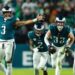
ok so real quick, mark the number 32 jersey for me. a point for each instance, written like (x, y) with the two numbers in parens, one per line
(38, 41)
(7, 28)
(59, 38)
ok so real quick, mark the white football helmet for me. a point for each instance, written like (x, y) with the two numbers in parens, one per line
(60, 22)
(39, 29)
(7, 12)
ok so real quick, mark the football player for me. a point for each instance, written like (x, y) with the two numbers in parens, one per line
(61, 40)
(39, 48)
(8, 23)
(74, 53)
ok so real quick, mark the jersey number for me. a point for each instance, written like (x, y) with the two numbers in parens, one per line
(59, 41)
(3, 30)
(40, 44)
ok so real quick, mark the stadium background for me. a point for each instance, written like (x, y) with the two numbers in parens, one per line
(28, 9)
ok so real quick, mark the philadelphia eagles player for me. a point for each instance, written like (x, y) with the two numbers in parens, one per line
(39, 48)
(74, 53)
(61, 40)
(8, 23)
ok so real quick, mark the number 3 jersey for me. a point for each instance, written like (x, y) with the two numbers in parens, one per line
(59, 38)
(38, 41)
(7, 28)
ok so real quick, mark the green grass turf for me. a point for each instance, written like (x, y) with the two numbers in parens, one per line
(24, 71)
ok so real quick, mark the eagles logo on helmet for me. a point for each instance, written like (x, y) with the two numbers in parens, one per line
(39, 28)
(60, 21)
(7, 12)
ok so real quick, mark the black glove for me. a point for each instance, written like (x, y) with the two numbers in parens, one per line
(68, 51)
(51, 49)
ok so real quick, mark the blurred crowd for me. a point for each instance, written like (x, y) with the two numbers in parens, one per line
(28, 9)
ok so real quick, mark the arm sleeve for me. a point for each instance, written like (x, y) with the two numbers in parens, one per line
(69, 30)
(30, 35)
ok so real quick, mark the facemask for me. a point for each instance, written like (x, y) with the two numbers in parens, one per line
(59, 28)
(38, 35)
(8, 17)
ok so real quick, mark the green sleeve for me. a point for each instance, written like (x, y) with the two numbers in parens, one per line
(68, 30)
(30, 35)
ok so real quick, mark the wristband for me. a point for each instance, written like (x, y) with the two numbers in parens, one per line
(34, 20)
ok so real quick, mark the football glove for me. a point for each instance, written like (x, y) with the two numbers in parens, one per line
(51, 49)
(67, 51)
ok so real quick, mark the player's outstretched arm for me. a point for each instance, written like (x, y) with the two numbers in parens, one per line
(38, 18)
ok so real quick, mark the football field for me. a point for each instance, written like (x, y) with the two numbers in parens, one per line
(22, 71)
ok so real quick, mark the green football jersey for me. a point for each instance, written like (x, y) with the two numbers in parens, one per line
(59, 38)
(38, 41)
(7, 28)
